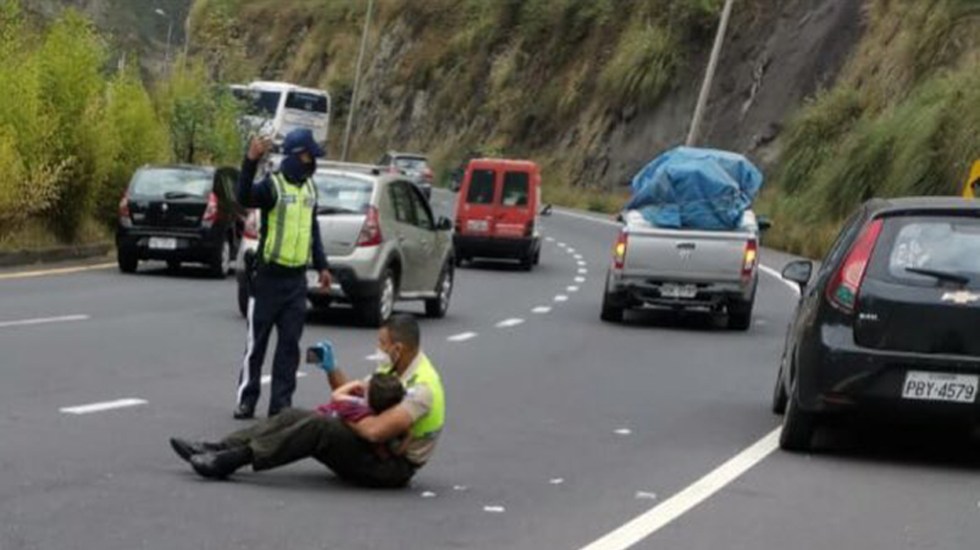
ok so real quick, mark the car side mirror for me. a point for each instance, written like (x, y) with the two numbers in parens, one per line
(444, 224)
(620, 218)
(765, 224)
(799, 272)
(546, 211)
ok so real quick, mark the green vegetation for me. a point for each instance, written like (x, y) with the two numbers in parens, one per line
(72, 132)
(903, 120)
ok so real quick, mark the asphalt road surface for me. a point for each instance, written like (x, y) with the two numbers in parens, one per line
(562, 432)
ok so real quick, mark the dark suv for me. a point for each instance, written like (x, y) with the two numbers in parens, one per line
(180, 214)
(890, 322)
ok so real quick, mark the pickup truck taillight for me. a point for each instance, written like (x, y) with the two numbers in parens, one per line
(619, 251)
(371, 232)
(210, 211)
(124, 218)
(750, 259)
(845, 286)
(251, 230)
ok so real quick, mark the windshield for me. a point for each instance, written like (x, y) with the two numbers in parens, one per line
(309, 102)
(171, 183)
(338, 194)
(948, 246)
(259, 103)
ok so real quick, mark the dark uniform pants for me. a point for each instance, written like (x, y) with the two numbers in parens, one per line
(277, 301)
(295, 434)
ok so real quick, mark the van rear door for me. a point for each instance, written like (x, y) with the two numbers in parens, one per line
(514, 213)
(479, 203)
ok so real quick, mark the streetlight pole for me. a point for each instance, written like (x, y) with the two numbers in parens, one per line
(357, 81)
(170, 31)
(709, 76)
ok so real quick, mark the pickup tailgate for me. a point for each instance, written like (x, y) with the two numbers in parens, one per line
(685, 255)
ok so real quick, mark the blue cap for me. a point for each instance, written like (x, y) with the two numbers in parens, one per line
(299, 141)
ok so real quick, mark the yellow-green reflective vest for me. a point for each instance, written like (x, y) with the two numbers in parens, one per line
(288, 241)
(425, 374)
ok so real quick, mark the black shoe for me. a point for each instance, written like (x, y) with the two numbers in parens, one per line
(221, 464)
(186, 449)
(244, 412)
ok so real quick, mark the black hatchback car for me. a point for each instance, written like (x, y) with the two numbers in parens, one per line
(890, 324)
(180, 214)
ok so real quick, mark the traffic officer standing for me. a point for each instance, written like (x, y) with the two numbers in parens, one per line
(348, 448)
(290, 238)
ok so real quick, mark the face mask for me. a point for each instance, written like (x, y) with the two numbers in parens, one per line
(385, 361)
(296, 170)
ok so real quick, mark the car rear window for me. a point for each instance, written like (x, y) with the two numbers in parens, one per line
(309, 102)
(171, 183)
(481, 187)
(410, 163)
(516, 189)
(948, 245)
(342, 195)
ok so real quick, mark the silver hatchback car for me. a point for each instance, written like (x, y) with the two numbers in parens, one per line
(382, 241)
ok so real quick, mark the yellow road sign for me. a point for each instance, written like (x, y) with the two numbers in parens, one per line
(972, 188)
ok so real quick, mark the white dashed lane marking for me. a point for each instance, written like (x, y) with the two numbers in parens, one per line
(561, 298)
(510, 323)
(580, 279)
(541, 310)
(44, 321)
(103, 406)
(583, 271)
(267, 378)
(572, 288)
(462, 337)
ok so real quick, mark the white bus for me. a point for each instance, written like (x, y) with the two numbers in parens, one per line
(276, 108)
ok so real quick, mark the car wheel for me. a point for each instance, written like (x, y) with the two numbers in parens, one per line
(798, 428)
(779, 396)
(128, 262)
(740, 315)
(379, 309)
(220, 263)
(439, 306)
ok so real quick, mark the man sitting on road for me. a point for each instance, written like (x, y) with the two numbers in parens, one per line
(347, 448)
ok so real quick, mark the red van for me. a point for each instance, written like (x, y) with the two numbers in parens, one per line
(497, 211)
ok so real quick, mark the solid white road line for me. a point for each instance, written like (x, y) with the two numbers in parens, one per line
(779, 276)
(657, 517)
(561, 298)
(103, 406)
(541, 310)
(462, 337)
(44, 321)
(510, 323)
(60, 271)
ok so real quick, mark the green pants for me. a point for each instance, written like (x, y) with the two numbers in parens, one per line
(295, 434)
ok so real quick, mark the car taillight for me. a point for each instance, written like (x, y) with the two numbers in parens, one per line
(124, 215)
(211, 211)
(750, 259)
(845, 286)
(371, 232)
(619, 251)
(252, 225)
(529, 228)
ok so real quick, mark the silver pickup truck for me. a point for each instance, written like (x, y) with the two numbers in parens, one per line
(684, 269)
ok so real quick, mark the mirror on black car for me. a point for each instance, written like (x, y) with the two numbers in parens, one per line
(444, 224)
(765, 224)
(799, 272)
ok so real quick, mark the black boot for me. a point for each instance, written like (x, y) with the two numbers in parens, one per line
(186, 449)
(244, 412)
(221, 464)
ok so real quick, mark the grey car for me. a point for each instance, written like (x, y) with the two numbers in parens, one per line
(414, 166)
(382, 241)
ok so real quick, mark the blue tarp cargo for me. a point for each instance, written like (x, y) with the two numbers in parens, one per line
(692, 188)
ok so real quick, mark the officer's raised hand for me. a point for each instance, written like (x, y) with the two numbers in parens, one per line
(258, 147)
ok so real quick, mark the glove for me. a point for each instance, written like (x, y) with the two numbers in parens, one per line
(325, 353)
